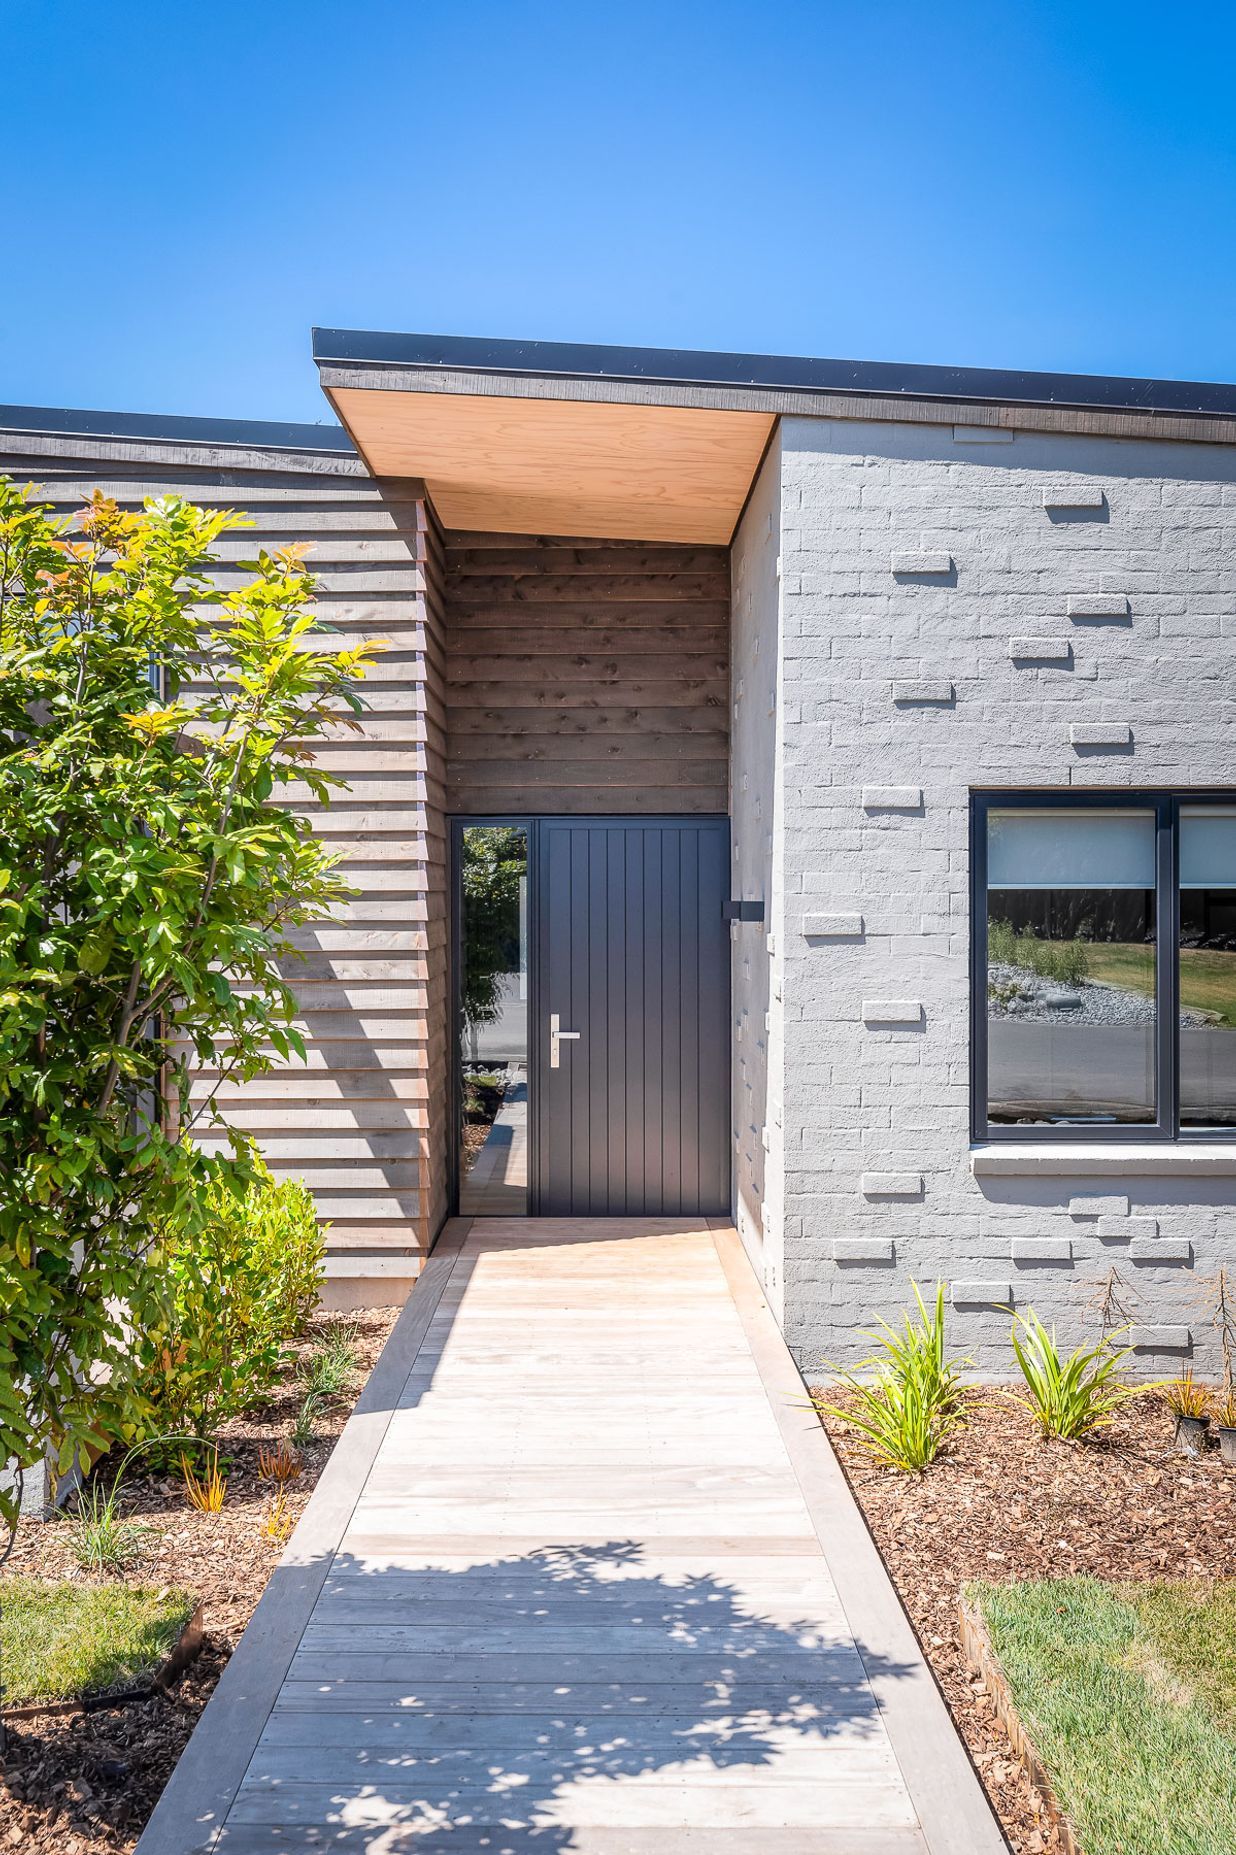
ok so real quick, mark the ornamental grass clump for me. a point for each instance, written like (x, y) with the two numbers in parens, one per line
(905, 1416)
(101, 1539)
(206, 1491)
(332, 1364)
(1185, 1397)
(1069, 1398)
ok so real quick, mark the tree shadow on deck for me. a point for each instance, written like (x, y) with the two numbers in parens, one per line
(573, 1697)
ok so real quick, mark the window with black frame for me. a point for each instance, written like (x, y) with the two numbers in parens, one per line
(1105, 965)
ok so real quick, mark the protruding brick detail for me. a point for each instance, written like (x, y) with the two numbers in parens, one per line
(1108, 1205)
(1164, 1250)
(1041, 1249)
(982, 1294)
(1160, 1339)
(922, 689)
(892, 1011)
(1098, 605)
(1041, 650)
(862, 1249)
(921, 561)
(1074, 496)
(833, 927)
(1124, 1229)
(892, 798)
(892, 1185)
(1101, 734)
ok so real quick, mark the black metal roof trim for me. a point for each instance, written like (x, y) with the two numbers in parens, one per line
(790, 373)
(252, 434)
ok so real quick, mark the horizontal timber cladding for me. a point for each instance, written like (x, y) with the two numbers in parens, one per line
(585, 676)
(359, 1121)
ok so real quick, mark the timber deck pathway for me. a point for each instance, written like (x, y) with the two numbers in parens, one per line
(582, 1576)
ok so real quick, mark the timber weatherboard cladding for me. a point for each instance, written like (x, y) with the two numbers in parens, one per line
(360, 1122)
(585, 676)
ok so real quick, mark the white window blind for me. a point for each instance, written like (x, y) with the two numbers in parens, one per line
(1208, 847)
(1072, 849)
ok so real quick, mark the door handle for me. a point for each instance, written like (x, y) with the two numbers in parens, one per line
(556, 1039)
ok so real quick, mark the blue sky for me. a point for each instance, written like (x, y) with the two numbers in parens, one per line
(1017, 183)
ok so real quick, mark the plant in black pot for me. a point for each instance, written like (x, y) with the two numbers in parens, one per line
(1187, 1401)
(1225, 1419)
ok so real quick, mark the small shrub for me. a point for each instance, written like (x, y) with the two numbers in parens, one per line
(237, 1292)
(1064, 961)
(1185, 1397)
(907, 1414)
(207, 1491)
(99, 1538)
(332, 1363)
(1001, 943)
(1069, 1398)
(1225, 1411)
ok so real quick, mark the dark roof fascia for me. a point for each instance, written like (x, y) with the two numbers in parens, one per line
(157, 428)
(770, 372)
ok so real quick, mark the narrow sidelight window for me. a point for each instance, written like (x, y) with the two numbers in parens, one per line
(1104, 965)
(492, 878)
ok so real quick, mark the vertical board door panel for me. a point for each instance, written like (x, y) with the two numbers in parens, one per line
(633, 953)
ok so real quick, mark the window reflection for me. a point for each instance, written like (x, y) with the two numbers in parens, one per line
(493, 1021)
(1071, 966)
(1207, 957)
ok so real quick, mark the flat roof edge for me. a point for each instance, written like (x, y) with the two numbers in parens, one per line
(159, 428)
(380, 349)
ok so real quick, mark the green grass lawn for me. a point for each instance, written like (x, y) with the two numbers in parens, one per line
(1207, 980)
(60, 1639)
(1128, 1693)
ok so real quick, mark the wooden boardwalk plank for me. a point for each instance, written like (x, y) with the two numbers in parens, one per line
(634, 1628)
(579, 1604)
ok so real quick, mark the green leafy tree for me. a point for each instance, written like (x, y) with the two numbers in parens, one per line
(495, 861)
(148, 721)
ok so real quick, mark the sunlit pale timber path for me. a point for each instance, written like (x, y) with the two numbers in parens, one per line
(595, 1584)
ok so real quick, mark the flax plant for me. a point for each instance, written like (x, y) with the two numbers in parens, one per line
(906, 1414)
(1069, 1398)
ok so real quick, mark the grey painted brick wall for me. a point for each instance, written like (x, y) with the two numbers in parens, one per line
(755, 800)
(1128, 549)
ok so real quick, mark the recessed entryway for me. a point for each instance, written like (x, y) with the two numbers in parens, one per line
(592, 1016)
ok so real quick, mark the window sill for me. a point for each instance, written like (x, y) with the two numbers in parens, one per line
(1104, 1160)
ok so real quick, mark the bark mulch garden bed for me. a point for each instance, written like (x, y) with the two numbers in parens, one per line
(85, 1784)
(1003, 1504)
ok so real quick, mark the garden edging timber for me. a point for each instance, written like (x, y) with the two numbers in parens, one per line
(982, 1657)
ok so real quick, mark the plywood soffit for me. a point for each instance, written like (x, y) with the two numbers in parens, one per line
(566, 467)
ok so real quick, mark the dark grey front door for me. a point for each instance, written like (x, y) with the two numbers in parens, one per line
(631, 1108)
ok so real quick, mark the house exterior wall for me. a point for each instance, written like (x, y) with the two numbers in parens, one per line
(585, 676)
(756, 822)
(898, 696)
(361, 1122)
